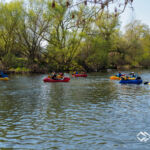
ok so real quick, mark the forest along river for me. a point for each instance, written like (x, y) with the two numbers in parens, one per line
(86, 113)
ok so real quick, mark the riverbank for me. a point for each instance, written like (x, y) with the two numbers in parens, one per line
(24, 70)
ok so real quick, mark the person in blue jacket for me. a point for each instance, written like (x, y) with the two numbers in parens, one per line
(119, 74)
(132, 74)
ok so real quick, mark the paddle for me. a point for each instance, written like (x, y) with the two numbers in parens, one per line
(146, 82)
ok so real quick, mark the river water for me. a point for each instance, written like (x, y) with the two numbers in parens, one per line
(86, 113)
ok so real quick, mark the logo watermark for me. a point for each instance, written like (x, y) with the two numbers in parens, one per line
(143, 136)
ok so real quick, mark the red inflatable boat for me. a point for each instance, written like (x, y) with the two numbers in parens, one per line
(66, 79)
(79, 75)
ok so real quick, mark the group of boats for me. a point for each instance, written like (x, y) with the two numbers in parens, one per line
(127, 79)
(63, 79)
(4, 77)
(123, 78)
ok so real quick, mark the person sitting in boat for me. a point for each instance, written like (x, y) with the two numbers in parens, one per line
(2, 75)
(132, 74)
(119, 74)
(124, 77)
(49, 76)
(75, 72)
(54, 76)
(60, 76)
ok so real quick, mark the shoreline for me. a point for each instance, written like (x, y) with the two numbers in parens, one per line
(102, 70)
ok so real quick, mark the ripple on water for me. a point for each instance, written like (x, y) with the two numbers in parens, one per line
(86, 113)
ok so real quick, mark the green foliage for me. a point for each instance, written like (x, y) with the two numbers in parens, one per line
(9, 60)
(35, 35)
(19, 70)
(21, 62)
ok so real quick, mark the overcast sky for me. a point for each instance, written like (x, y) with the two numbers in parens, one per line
(141, 12)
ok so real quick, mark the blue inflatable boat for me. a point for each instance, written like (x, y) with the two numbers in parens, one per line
(139, 81)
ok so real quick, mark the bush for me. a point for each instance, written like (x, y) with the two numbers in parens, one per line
(9, 60)
(20, 70)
